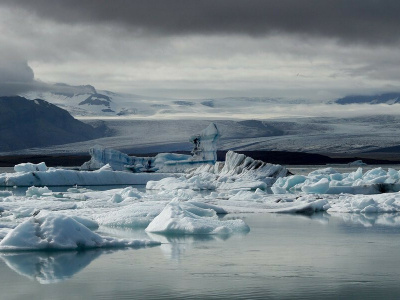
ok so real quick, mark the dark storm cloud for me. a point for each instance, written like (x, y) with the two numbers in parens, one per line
(368, 21)
(15, 76)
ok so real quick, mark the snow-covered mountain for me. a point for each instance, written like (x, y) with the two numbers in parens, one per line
(387, 98)
(86, 101)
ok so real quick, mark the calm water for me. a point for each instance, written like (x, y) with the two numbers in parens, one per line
(283, 256)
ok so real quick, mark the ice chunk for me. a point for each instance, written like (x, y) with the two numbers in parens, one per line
(319, 187)
(186, 218)
(381, 203)
(29, 167)
(259, 201)
(89, 223)
(61, 177)
(116, 160)
(37, 191)
(204, 151)
(58, 232)
(5, 194)
(238, 172)
(205, 144)
(330, 182)
(357, 163)
(287, 184)
(126, 193)
(136, 215)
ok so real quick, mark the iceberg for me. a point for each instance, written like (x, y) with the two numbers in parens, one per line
(237, 172)
(329, 181)
(186, 218)
(205, 144)
(204, 152)
(117, 160)
(63, 177)
(357, 163)
(58, 232)
(136, 215)
(30, 167)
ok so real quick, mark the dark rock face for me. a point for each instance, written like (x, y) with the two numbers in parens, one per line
(36, 123)
(97, 99)
(388, 98)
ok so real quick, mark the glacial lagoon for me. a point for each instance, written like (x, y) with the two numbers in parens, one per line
(283, 256)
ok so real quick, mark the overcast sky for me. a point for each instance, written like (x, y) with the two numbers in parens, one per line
(319, 49)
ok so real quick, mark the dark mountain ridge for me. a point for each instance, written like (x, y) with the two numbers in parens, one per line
(36, 123)
(387, 98)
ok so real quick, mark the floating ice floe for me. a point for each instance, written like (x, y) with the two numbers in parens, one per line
(188, 218)
(329, 181)
(37, 191)
(381, 203)
(357, 163)
(29, 167)
(58, 232)
(136, 215)
(260, 201)
(237, 172)
(62, 177)
(204, 152)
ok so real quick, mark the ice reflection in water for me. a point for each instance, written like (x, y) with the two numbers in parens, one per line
(175, 246)
(46, 267)
(370, 220)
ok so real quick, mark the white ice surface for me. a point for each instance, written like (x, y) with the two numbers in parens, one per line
(58, 232)
(62, 177)
(329, 181)
(25, 219)
(237, 172)
(187, 218)
(29, 167)
(204, 151)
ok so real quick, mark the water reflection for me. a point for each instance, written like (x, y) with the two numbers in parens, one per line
(320, 217)
(47, 268)
(370, 220)
(175, 246)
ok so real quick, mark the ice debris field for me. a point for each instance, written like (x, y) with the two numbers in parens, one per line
(184, 195)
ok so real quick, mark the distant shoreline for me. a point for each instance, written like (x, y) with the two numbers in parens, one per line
(274, 157)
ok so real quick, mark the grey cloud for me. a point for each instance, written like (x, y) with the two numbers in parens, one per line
(15, 76)
(366, 21)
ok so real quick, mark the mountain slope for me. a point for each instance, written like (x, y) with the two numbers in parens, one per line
(388, 98)
(36, 123)
(86, 102)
